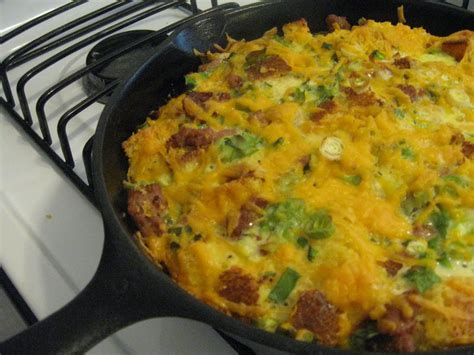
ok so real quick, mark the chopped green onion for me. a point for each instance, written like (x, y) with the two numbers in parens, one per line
(284, 286)
(324, 93)
(326, 45)
(377, 55)
(268, 324)
(331, 148)
(352, 179)
(440, 220)
(416, 248)
(399, 112)
(444, 261)
(414, 203)
(174, 246)
(282, 40)
(302, 242)
(319, 225)
(175, 230)
(299, 95)
(129, 186)
(422, 277)
(282, 219)
(358, 339)
(190, 82)
(407, 153)
(433, 95)
(239, 146)
(243, 108)
(436, 243)
(304, 335)
(458, 180)
(312, 253)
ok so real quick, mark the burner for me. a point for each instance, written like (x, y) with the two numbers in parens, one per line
(120, 67)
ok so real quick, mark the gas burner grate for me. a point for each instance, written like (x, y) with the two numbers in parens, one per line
(85, 30)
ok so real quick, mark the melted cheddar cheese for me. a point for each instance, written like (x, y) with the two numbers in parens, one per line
(310, 176)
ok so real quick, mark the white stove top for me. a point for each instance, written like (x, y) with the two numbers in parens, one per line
(51, 236)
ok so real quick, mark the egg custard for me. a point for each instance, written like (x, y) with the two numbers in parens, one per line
(320, 185)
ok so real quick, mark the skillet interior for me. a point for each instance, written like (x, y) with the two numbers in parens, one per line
(163, 76)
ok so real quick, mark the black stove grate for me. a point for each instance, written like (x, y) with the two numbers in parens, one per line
(117, 16)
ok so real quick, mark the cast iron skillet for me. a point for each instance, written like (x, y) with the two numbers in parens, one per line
(127, 286)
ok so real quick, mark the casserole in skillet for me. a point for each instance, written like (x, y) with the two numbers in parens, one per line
(320, 185)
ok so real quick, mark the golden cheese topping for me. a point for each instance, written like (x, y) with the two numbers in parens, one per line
(320, 185)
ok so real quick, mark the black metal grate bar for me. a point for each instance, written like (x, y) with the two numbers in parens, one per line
(194, 7)
(465, 3)
(40, 107)
(80, 184)
(39, 19)
(57, 57)
(68, 163)
(71, 113)
(26, 53)
(87, 159)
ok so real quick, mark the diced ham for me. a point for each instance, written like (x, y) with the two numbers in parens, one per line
(234, 81)
(191, 138)
(402, 63)
(400, 328)
(259, 116)
(411, 91)
(326, 107)
(455, 48)
(248, 214)
(468, 149)
(315, 313)
(261, 65)
(199, 97)
(238, 287)
(424, 231)
(196, 138)
(146, 206)
(223, 96)
(360, 99)
(334, 22)
(457, 138)
(392, 267)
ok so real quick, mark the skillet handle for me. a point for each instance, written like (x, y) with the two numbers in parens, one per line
(118, 295)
